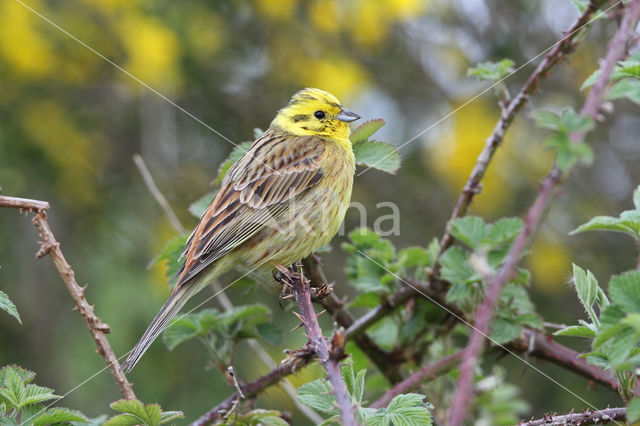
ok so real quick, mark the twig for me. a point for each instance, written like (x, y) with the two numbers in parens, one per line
(151, 185)
(382, 359)
(295, 360)
(329, 355)
(484, 312)
(585, 418)
(427, 372)
(222, 297)
(49, 245)
(507, 114)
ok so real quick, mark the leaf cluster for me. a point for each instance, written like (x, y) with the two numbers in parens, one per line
(21, 402)
(403, 410)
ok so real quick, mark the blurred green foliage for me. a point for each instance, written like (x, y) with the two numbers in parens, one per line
(70, 123)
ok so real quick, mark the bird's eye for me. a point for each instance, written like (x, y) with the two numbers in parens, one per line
(319, 114)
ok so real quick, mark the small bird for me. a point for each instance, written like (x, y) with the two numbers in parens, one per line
(283, 199)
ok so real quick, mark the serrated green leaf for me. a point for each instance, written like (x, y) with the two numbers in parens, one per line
(366, 130)
(59, 415)
(632, 320)
(168, 416)
(8, 421)
(469, 229)
(621, 346)
(412, 257)
(198, 207)
(587, 288)
(179, 331)
(633, 410)
(626, 88)
(130, 406)
(25, 375)
(504, 330)
(504, 230)
(491, 71)
(170, 254)
(576, 331)
(154, 414)
(237, 152)
(123, 420)
(404, 409)
(602, 223)
(404, 401)
(7, 305)
(35, 394)
(14, 390)
(547, 119)
(317, 395)
(455, 267)
(624, 290)
(256, 417)
(358, 389)
(378, 155)
(270, 332)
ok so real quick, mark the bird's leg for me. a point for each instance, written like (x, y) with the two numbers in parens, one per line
(282, 275)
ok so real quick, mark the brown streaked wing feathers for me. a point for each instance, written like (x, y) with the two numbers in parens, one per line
(254, 191)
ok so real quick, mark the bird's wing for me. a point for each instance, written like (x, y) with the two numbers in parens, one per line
(260, 186)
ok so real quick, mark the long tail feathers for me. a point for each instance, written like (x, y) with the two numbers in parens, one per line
(159, 323)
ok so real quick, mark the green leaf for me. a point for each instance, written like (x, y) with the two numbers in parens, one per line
(455, 267)
(256, 417)
(636, 198)
(378, 155)
(198, 207)
(413, 257)
(366, 130)
(610, 324)
(624, 290)
(7, 305)
(59, 415)
(576, 331)
(35, 394)
(504, 330)
(179, 331)
(403, 410)
(365, 300)
(384, 332)
(14, 390)
(581, 5)
(149, 414)
(8, 421)
(505, 230)
(317, 395)
(547, 119)
(632, 320)
(170, 254)
(234, 156)
(469, 229)
(626, 88)
(603, 223)
(123, 420)
(621, 346)
(25, 376)
(633, 410)
(491, 71)
(270, 332)
(587, 288)
(168, 416)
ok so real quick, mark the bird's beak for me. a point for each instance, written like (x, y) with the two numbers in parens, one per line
(347, 116)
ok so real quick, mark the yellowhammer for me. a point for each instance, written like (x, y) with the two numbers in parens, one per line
(284, 198)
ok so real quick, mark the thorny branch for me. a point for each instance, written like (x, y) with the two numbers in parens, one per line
(328, 354)
(49, 245)
(565, 46)
(585, 418)
(495, 284)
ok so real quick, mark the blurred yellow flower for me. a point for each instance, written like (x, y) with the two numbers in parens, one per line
(324, 15)
(277, 9)
(23, 47)
(77, 158)
(456, 152)
(152, 50)
(550, 263)
(337, 75)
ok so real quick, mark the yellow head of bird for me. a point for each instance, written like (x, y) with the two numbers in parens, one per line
(315, 112)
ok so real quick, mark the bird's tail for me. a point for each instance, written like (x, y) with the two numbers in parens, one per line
(159, 323)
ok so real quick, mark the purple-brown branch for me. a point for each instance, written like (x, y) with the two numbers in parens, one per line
(495, 284)
(329, 355)
(49, 245)
(585, 418)
(508, 113)
(295, 360)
